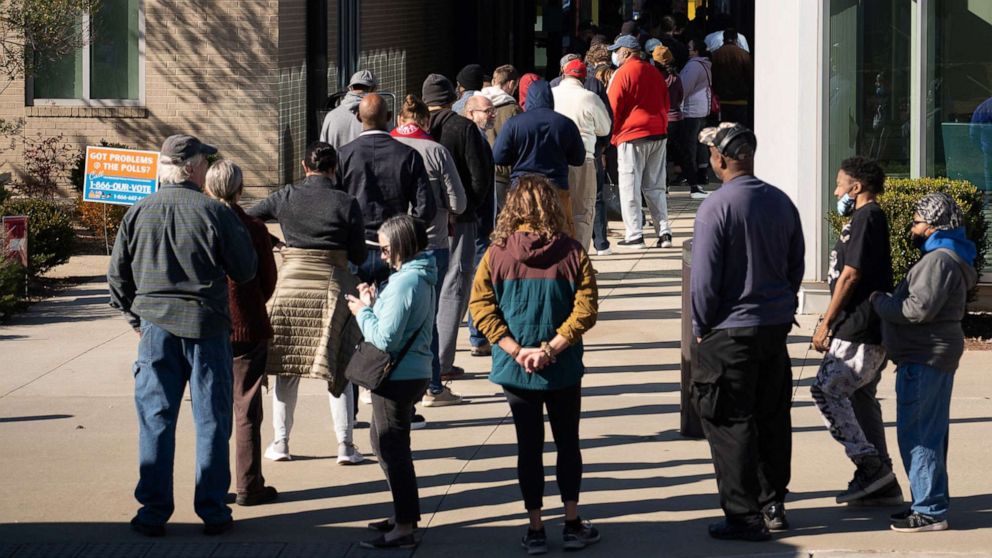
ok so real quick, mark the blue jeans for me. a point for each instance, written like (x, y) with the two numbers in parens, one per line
(475, 337)
(165, 364)
(441, 258)
(923, 409)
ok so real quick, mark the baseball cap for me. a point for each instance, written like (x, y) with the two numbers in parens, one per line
(365, 78)
(625, 41)
(567, 58)
(576, 69)
(651, 44)
(180, 147)
(729, 138)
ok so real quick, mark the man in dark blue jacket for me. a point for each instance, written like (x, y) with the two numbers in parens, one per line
(386, 177)
(541, 141)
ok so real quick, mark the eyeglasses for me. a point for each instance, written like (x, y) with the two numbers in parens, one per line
(490, 112)
(920, 223)
(385, 250)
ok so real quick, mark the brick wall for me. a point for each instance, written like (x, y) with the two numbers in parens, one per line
(292, 48)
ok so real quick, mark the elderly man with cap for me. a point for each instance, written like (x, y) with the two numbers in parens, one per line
(470, 80)
(639, 98)
(747, 266)
(462, 139)
(168, 276)
(341, 125)
(921, 333)
(590, 115)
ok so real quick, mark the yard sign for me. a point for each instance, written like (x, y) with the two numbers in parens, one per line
(119, 176)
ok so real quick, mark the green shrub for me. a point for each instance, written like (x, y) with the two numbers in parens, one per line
(899, 203)
(77, 174)
(12, 281)
(50, 234)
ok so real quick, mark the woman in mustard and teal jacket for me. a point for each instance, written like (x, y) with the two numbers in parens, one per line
(534, 296)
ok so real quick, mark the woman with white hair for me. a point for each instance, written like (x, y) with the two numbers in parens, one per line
(250, 334)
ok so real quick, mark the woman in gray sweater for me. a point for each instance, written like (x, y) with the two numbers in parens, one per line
(921, 332)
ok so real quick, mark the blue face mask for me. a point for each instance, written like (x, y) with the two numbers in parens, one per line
(615, 59)
(845, 205)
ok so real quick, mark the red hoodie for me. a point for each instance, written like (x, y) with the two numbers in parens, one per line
(639, 99)
(410, 131)
(525, 82)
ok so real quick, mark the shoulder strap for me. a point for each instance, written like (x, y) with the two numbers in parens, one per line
(409, 343)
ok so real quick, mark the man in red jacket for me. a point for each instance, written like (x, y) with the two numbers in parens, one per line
(639, 99)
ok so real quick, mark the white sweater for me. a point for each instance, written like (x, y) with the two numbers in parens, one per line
(585, 108)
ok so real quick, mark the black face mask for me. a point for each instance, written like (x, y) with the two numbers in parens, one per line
(918, 241)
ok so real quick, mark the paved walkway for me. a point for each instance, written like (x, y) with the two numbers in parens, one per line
(68, 431)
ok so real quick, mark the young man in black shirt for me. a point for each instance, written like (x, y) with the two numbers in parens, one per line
(850, 335)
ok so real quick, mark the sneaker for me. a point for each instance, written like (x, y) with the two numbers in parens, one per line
(482, 350)
(919, 523)
(871, 475)
(418, 422)
(213, 529)
(578, 534)
(774, 516)
(899, 516)
(444, 398)
(699, 194)
(349, 455)
(454, 373)
(665, 241)
(632, 243)
(535, 542)
(386, 525)
(278, 451)
(739, 531)
(888, 496)
(264, 496)
(365, 396)
(147, 529)
(607, 252)
(406, 541)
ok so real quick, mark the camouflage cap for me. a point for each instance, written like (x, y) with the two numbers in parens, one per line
(729, 138)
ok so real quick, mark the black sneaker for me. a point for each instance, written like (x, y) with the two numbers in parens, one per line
(264, 496)
(899, 516)
(535, 542)
(888, 496)
(578, 534)
(147, 529)
(665, 241)
(739, 531)
(774, 516)
(632, 243)
(218, 528)
(418, 422)
(919, 523)
(871, 476)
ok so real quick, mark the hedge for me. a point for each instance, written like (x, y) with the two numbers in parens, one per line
(899, 203)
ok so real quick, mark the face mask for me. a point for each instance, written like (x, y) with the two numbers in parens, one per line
(845, 205)
(919, 242)
(616, 59)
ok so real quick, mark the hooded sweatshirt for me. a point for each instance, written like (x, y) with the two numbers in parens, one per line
(921, 319)
(540, 140)
(341, 125)
(506, 107)
(526, 81)
(534, 288)
(449, 194)
(404, 308)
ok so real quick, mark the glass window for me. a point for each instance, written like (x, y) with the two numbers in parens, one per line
(112, 53)
(959, 93)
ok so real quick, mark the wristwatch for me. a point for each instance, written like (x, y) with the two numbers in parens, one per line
(548, 351)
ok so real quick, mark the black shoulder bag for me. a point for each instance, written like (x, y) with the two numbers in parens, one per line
(370, 366)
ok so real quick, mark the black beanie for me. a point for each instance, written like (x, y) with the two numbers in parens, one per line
(437, 91)
(471, 77)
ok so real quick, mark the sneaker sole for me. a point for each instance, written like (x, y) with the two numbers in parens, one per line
(534, 551)
(442, 403)
(272, 456)
(939, 526)
(350, 460)
(873, 487)
(579, 545)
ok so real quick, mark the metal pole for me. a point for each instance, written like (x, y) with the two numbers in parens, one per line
(106, 234)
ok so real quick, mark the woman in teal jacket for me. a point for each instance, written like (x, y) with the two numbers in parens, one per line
(404, 308)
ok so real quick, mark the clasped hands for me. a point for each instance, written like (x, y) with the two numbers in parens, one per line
(532, 359)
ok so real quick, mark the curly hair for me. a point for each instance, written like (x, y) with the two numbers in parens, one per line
(604, 73)
(866, 171)
(597, 54)
(533, 203)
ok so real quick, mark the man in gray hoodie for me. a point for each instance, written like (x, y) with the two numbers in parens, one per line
(921, 332)
(342, 125)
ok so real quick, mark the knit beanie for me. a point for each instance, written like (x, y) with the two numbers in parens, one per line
(471, 77)
(437, 91)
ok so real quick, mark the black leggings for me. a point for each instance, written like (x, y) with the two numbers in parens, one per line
(564, 407)
(392, 409)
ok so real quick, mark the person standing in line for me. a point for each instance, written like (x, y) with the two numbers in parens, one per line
(386, 177)
(598, 62)
(324, 231)
(250, 335)
(469, 82)
(665, 63)
(850, 334)
(402, 311)
(697, 82)
(505, 80)
(639, 98)
(921, 332)
(584, 108)
(744, 286)
(461, 138)
(680, 52)
(536, 334)
(184, 329)
(341, 125)
(450, 199)
(733, 77)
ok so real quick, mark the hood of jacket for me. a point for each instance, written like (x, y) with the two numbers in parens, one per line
(539, 96)
(499, 97)
(534, 250)
(350, 101)
(955, 241)
(423, 266)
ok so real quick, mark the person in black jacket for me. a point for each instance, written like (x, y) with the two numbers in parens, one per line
(474, 162)
(386, 177)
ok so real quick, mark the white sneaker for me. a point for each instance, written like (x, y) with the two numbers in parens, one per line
(699, 194)
(349, 455)
(365, 396)
(278, 451)
(607, 252)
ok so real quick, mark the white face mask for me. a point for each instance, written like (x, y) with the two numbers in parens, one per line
(615, 58)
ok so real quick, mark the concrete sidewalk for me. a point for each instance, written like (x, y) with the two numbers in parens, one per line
(68, 433)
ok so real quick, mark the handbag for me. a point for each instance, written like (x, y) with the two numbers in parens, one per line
(370, 366)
